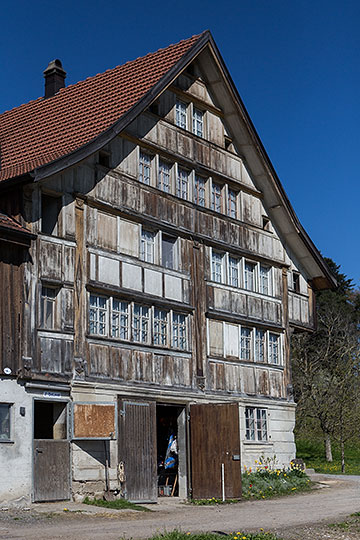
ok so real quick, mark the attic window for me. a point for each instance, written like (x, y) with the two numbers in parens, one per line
(50, 210)
(104, 159)
(266, 223)
(228, 143)
(154, 108)
(190, 70)
(296, 282)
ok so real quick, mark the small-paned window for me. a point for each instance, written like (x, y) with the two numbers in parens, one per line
(245, 343)
(259, 345)
(48, 307)
(50, 210)
(160, 327)
(147, 246)
(179, 331)
(98, 315)
(181, 115)
(265, 279)
(199, 190)
(198, 122)
(217, 267)
(164, 176)
(216, 197)
(256, 424)
(145, 168)
(168, 251)
(5, 426)
(182, 183)
(296, 282)
(141, 324)
(274, 348)
(234, 271)
(232, 203)
(120, 319)
(249, 276)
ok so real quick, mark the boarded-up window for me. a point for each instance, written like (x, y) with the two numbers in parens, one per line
(129, 238)
(107, 231)
(216, 338)
(231, 340)
(94, 421)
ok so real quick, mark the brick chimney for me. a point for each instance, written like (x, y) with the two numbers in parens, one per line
(54, 78)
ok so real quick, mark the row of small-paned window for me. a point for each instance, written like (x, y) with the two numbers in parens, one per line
(259, 345)
(137, 323)
(189, 117)
(256, 424)
(239, 272)
(187, 184)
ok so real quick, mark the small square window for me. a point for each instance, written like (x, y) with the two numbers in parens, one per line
(5, 424)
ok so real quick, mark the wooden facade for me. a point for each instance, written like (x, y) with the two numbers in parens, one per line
(164, 281)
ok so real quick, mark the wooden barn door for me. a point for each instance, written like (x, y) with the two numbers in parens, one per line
(215, 440)
(137, 449)
(51, 470)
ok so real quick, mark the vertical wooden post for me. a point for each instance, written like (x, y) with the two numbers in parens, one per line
(79, 290)
(199, 302)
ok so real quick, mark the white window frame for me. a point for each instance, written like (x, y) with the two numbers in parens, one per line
(245, 338)
(181, 109)
(175, 251)
(6, 435)
(143, 166)
(254, 275)
(123, 316)
(236, 267)
(261, 279)
(218, 261)
(164, 177)
(98, 311)
(160, 327)
(216, 197)
(148, 245)
(256, 425)
(274, 352)
(48, 301)
(199, 189)
(232, 212)
(260, 345)
(182, 182)
(179, 331)
(198, 122)
(144, 318)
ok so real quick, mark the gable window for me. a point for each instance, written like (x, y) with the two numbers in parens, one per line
(274, 348)
(50, 210)
(255, 424)
(216, 197)
(265, 279)
(160, 327)
(48, 307)
(147, 246)
(182, 183)
(245, 343)
(120, 319)
(232, 203)
(141, 322)
(144, 168)
(181, 115)
(234, 271)
(199, 190)
(296, 282)
(164, 176)
(179, 337)
(249, 276)
(217, 266)
(259, 345)
(98, 315)
(198, 122)
(5, 410)
(168, 251)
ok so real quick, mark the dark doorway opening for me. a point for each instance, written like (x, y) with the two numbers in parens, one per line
(49, 420)
(171, 450)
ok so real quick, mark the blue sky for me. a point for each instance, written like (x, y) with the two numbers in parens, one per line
(294, 62)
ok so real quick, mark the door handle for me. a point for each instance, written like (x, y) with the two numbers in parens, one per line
(39, 450)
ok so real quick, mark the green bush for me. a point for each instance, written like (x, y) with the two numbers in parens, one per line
(178, 535)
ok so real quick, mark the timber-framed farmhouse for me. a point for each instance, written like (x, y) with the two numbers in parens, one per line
(152, 270)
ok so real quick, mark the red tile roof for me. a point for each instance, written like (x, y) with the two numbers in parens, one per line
(44, 130)
(6, 222)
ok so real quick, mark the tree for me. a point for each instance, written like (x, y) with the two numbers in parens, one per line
(326, 365)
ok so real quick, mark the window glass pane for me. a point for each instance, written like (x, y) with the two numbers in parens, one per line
(120, 319)
(4, 421)
(274, 353)
(245, 343)
(249, 424)
(141, 320)
(179, 338)
(216, 197)
(265, 275)
(97, 315)
(180, 115)
(47, 307)
(249, 276)
(147, 246)
(199, 190)
(259, 345)
(168, 251)
(234, 272)
(198, 122)
(144, 168)
(164, 176)
(160, 327)
(232, 203)
(217, 267)
(182, 183)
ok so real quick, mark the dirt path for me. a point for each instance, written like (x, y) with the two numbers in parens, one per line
(284, 515)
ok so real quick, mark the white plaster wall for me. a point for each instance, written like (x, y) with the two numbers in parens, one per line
(281, 422)
(16, 456)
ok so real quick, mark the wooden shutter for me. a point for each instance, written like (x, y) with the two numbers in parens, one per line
(137, 449)
(215, 439)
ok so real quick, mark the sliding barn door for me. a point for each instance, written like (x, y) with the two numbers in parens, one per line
(215, 442)
(137, 449)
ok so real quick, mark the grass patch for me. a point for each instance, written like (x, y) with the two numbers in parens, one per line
(178, 535)
(312, 452)
(118, 504)
(352, 524)
(212, 502)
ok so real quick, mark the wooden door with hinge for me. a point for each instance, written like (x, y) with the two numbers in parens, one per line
(137, 449)
(51, 470)
(215, 451)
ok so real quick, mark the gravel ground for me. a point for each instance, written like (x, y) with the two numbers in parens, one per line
(298, 517)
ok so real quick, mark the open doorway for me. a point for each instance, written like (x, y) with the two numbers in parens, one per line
(171, 450)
